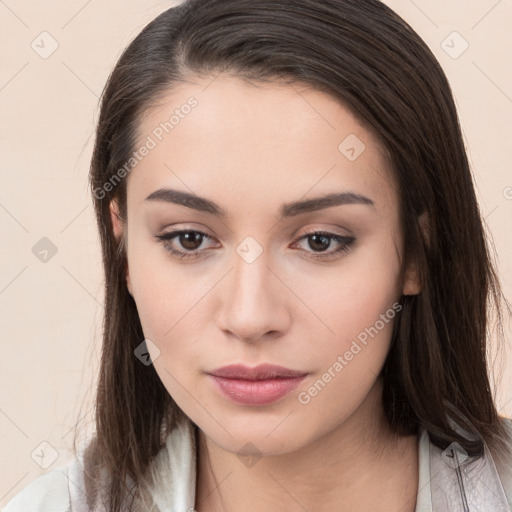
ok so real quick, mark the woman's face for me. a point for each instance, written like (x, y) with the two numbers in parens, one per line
(255, 285)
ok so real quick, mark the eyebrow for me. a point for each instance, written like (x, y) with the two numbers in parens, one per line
(202, 204)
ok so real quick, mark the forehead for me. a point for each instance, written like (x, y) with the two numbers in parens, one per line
(219, 136)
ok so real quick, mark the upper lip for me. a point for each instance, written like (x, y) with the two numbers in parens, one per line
(260, 372)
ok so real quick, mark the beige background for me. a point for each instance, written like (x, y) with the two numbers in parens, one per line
(51, 311)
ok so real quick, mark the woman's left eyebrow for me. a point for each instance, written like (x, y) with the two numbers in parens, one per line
(292, 209)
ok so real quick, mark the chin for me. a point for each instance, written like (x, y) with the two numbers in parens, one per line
(257, 437)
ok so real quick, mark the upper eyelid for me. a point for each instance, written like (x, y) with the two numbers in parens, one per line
(332, 230)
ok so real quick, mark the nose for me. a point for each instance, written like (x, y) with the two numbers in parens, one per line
(254, 301)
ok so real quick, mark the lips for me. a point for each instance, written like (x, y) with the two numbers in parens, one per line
(261, 372)
(258, 386)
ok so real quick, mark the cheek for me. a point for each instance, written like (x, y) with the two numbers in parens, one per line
(170, 304)
(361, 310)
(163, 291)
(169, 310)
(351, 300)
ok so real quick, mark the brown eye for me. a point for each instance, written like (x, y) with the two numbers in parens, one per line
(320, 241)
(188, 242)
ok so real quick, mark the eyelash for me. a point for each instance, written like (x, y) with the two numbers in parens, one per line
(345, 241)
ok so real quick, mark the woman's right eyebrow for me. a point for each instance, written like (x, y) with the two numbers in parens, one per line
(292, 209)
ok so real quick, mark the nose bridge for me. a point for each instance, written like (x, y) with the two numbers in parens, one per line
(250, 304)
(250, 277)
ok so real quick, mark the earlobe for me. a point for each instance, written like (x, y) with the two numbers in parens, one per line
(412, 282)
(129, 282)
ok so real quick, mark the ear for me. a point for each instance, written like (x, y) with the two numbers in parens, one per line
(117, 222)
(118, 227)
(411, 281)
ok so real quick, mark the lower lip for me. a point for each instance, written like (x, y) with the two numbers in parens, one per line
(256, 392)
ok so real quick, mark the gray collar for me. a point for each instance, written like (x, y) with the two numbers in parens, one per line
(449, 480)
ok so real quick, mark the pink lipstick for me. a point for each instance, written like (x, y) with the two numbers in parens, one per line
(260, 385)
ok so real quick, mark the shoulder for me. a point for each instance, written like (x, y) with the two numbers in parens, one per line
(76, 487)
(60, 490)
(47, 493)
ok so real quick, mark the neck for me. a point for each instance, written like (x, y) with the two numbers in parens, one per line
(358, 466)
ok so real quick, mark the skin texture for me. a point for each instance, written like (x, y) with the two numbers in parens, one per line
(250, 148)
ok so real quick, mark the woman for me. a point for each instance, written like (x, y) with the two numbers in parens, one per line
(297, 276)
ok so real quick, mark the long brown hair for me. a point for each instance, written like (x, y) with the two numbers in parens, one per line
(366, 56)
